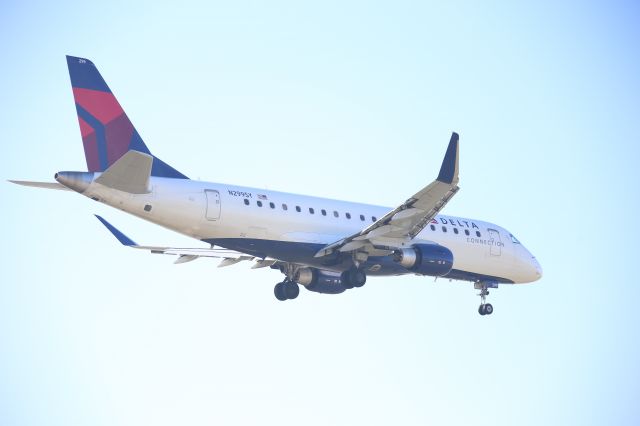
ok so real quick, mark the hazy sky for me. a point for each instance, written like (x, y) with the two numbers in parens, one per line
(349, 100)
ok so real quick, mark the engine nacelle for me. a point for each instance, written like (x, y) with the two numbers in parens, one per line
(425, 259)
(327, 282)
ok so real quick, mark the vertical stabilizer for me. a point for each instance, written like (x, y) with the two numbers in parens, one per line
(107, 133)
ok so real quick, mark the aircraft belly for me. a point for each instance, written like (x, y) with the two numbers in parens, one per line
(304, 253)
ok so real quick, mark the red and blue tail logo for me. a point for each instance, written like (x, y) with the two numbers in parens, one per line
(107, 132)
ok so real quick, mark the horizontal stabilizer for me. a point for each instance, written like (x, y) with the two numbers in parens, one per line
(129, 174)
(46, 185)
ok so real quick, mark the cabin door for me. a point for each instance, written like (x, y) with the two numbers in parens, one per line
(213, 204)
(495, 242)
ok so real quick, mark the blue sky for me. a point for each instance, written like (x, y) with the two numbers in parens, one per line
(349, 100)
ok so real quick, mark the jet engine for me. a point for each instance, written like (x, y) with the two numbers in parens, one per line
(425, 259)
(319, 281)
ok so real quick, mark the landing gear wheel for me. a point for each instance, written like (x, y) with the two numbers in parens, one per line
(278, 291)
(291, 289)
(353, 278)
(485, 309)
(357, 277)
(346, 280)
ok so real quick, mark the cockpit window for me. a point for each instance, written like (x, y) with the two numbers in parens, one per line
(514, 239)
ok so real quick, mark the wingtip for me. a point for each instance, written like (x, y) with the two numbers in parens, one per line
(124, 240)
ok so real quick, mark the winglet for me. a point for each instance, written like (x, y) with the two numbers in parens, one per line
(124, 240)
(449, 170)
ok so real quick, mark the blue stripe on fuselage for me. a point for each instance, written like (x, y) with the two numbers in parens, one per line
(303, 253)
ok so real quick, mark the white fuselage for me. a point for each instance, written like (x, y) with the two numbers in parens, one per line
(232, 216)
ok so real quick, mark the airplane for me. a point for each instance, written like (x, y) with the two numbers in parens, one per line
(324, 245)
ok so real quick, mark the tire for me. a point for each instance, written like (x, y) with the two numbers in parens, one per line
(488, 309)
(346, 280)
(278, 291)
(357, 277)
(481, 310)
(291, 289)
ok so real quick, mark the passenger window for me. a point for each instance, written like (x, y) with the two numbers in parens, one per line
(348, 215)
(362, 217)
(246, 202)
(466, 232)
(298, 209)
(324, 212)
(284, 207)
(478, 234)
(373, 218)
(335, 213)
(273, 206)
(455, 231)
(433, 227)
(444, 229)
(311, 210)
(259, 203)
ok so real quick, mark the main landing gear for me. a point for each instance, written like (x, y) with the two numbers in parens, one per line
(286, 290)
(354, 277)
(484, 308)
(316, 280)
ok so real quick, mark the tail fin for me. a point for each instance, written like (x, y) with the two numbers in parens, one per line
(107, 133)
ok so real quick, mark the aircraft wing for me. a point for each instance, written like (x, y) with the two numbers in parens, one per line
(229, 257)
(407, 220)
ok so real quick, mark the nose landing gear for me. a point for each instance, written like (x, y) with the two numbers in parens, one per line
(485, 308)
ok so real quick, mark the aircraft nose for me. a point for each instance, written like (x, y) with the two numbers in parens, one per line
(537, 268)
